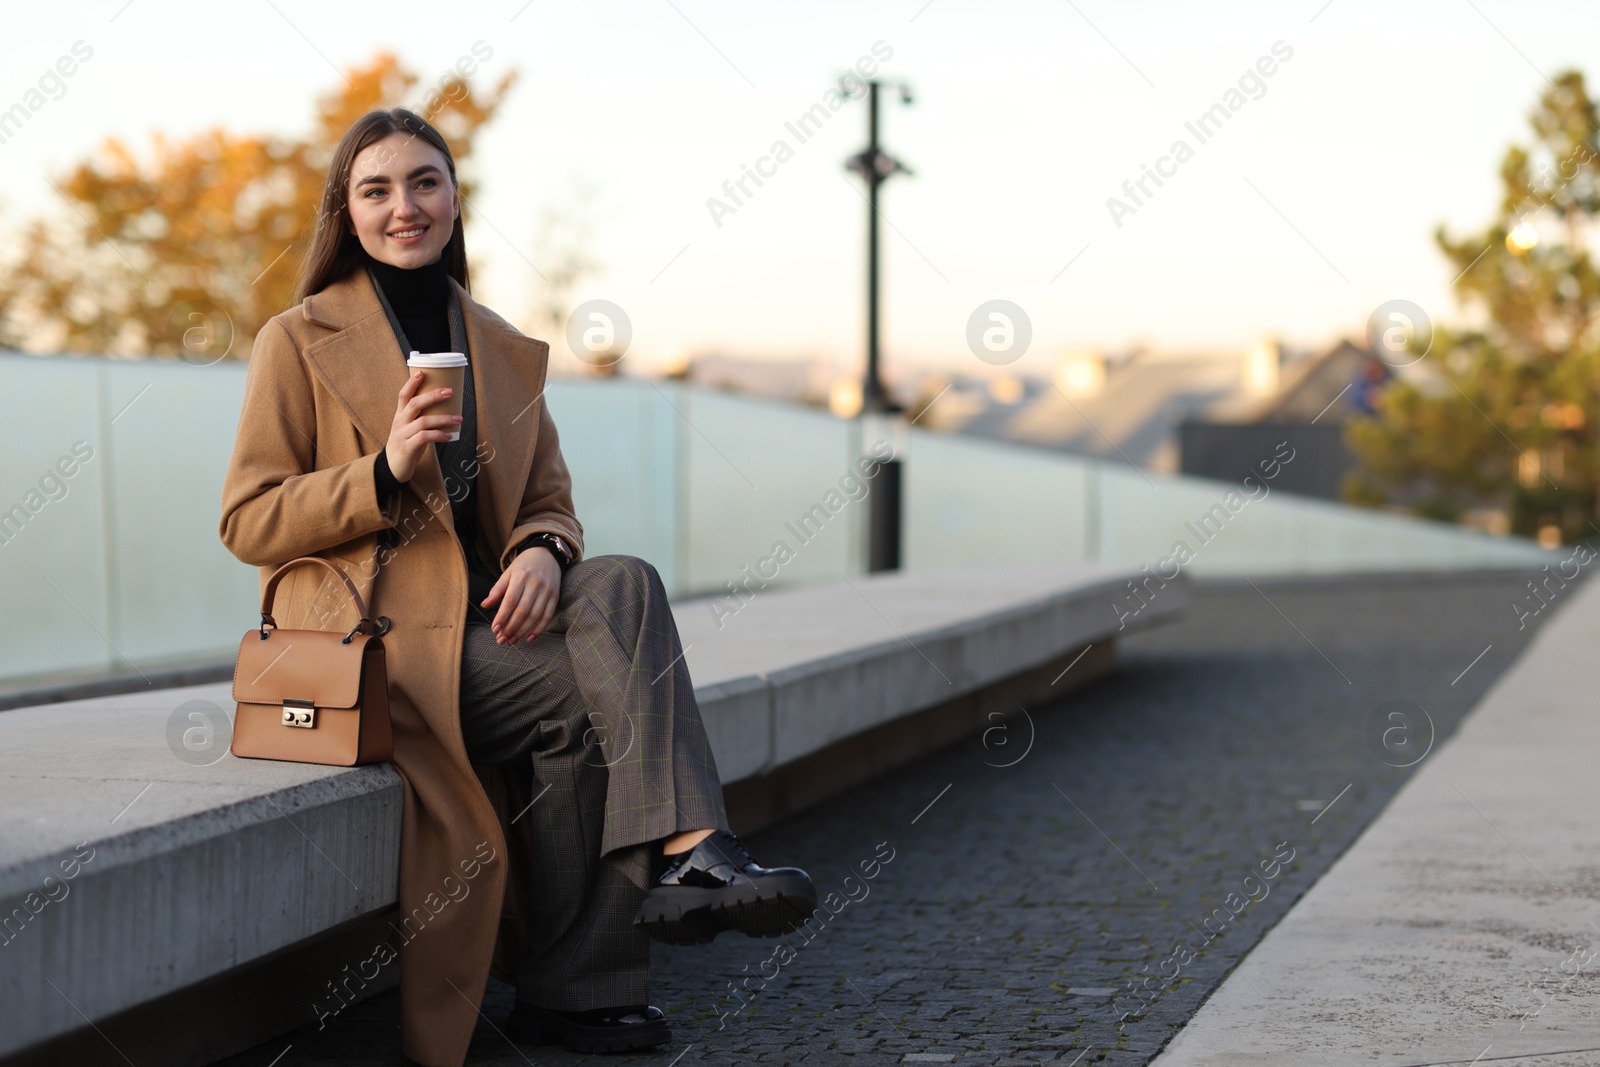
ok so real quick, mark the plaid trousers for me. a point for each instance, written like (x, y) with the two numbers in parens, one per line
(602, 704)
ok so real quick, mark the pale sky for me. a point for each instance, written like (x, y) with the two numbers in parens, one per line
(1315, 202)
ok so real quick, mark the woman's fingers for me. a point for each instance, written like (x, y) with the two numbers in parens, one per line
(512, 617)
(426, 428)
(421, 402)
(545, 612)
(534, 624)
(536, 604)
(413, 404)
(406, 436)
(532, 587)
(431, 428)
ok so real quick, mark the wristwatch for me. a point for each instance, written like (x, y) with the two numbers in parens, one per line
(554, 543)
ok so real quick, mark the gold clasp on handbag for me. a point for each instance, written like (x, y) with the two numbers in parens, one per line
(299, 713)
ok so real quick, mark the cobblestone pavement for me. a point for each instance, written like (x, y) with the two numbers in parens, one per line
(1025, 882)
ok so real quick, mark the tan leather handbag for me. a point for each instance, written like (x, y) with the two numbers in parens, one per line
(312, 696)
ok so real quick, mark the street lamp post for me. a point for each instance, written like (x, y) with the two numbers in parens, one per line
(875, 167)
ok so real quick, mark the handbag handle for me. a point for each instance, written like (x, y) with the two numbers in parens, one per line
(271, 590)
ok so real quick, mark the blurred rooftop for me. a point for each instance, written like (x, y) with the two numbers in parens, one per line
(1122, 405)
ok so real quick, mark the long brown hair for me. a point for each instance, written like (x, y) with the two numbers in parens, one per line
(335, 251)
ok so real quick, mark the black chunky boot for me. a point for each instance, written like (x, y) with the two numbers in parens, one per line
(716, 886)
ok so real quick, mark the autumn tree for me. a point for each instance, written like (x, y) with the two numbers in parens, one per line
(1505, 415)
(189, 251)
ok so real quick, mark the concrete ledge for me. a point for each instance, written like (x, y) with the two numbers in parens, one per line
(208, 1022)
(127, 873)
(76, 685)
(760, 800)
(138, 859)
(832, 661)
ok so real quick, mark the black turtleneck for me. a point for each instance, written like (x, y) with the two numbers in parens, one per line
(420, 297)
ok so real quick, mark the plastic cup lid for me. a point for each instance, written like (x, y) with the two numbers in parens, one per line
(436, 359)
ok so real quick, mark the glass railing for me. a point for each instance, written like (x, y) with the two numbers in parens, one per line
(111, 476)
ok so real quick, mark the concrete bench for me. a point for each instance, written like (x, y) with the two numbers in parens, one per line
(146, 876)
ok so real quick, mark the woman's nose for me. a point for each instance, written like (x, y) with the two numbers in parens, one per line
(404, 206)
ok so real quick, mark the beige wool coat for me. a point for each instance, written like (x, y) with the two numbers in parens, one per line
(320, 396)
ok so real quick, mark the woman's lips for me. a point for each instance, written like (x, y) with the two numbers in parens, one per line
(417, 233)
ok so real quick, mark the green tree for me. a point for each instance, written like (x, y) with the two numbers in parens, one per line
(190, 251)
(1506, 416)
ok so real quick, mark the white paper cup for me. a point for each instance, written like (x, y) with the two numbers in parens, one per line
(442, 370)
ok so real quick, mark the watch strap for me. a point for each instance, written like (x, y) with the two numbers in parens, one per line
(557, 548)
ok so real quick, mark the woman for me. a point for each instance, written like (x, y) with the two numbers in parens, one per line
(561, 802)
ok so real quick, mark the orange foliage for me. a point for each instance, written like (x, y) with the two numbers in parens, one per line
(190, 252)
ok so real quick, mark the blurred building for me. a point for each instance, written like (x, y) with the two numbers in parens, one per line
(804, 380)
(1308, 412)
(1125, 405)
(1190, 413)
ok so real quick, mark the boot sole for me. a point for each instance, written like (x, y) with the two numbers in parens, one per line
(549, 1029)
(683, 915)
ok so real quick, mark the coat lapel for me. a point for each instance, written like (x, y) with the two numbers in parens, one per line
(362, 366)
(508, 371)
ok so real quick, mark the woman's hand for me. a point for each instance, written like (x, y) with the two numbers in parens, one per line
(413, 431)
(528, 593)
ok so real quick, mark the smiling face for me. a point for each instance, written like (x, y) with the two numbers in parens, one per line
(403, 205)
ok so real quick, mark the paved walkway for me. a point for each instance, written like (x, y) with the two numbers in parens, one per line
(1035, 879)
(1464, 926)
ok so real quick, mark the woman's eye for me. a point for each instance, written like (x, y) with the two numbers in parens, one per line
(428, 183)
